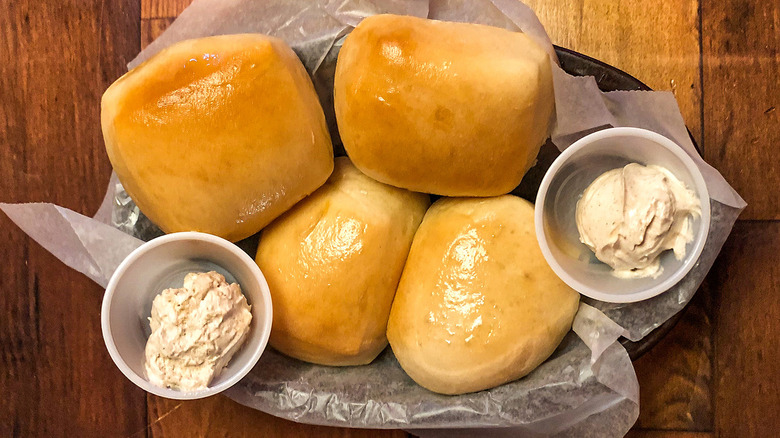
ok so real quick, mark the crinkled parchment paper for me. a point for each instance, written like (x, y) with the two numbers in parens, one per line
(587, 388)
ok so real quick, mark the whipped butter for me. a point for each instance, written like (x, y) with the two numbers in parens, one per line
(195, 331)
(629, 216)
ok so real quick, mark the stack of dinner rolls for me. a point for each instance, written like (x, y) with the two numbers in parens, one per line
(226, 135)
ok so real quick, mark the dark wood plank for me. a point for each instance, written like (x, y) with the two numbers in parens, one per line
(741, 64)
(680, 397)
(657, 42)
(221, 417)
(55, 61)
(151, 9)
(746, 279)
(644, 433)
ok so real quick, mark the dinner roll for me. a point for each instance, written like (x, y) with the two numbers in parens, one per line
(477, 305)
(454, 109)
(219, 134)
(332, 264)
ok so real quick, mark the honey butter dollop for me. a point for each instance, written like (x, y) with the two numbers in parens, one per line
(196, 330)
(629, 216)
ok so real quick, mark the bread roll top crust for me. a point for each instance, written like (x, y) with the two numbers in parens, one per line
(477, 305)
(453, 109)
(332, 264)
(219, 134)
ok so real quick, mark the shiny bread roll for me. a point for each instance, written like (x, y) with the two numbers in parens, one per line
(219, 135)
(454, 109)
(477, 305)
(332, 264)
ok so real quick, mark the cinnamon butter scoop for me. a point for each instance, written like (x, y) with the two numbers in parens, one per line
(196, 330)
(629, 216)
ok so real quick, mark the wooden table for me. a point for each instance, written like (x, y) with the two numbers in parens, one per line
(715, 374)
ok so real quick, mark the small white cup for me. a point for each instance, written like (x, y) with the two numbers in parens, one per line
(562, 186)
(160, 264)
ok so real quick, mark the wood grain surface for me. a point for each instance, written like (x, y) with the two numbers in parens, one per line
(655, 41)
(680, 397)
(645, 433)
(741, 66)
(220, 416)
(747, 324)
(55, 61)
(715, 374)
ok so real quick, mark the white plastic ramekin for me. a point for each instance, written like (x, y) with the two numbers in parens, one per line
(562, 186)
(162, 263)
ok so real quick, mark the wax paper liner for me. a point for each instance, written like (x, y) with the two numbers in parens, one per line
(587, 388)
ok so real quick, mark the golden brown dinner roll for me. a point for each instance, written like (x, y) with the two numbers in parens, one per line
(453, 109)
(333, 263)
(477, 305)
(219, 134)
